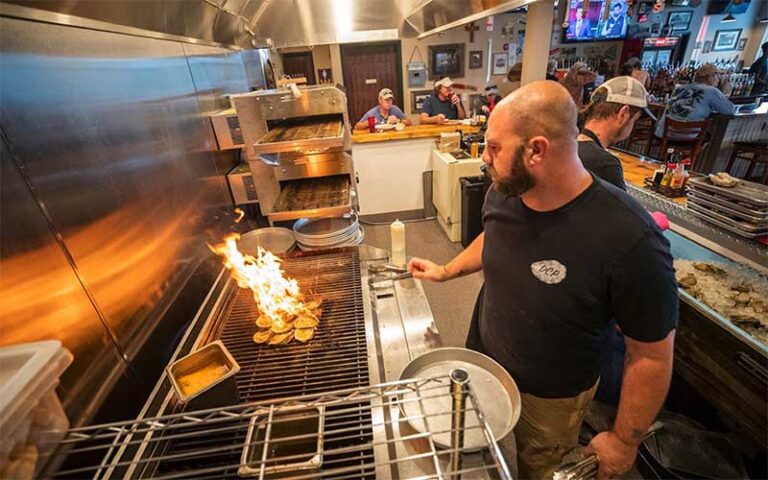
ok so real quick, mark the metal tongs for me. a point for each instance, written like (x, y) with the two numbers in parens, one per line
(586, 467)
(387, 273)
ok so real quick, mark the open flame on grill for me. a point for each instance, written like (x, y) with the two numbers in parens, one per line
(276, 295)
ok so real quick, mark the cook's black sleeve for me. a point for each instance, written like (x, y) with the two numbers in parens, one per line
(612, 174)
(643, 289)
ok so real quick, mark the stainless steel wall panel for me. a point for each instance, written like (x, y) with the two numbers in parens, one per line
(41, 297)
(216, 73)
(111, 133)
(255, 62)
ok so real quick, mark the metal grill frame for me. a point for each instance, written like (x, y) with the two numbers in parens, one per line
(119, 437)
(211, 319)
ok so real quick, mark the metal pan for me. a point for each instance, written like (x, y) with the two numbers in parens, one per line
(274, 239)
(747, 192)
(724, 225)
(493, 388)
(743, 226)
(754, 216)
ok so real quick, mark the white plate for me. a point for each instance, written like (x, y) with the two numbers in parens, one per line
(385, 126)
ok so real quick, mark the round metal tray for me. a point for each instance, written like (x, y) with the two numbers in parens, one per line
(494, 389)
(325, 227)
(354, 240)
(275, 239)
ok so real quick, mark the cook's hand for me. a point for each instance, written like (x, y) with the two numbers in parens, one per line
(392, 119)
(426, 270)
(440, 118)
(616, 456)
(455, 99)
(485, 109)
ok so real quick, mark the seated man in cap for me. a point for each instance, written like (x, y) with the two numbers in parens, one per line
(696, 101)
(385, 112)
(442, 105)
(578, 76)
(608, 119)
(491, 98)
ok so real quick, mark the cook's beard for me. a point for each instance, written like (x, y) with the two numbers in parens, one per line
(519, 181)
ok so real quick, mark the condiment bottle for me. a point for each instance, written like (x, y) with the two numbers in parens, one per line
(397, 234)
(667, 180)
(678, 176)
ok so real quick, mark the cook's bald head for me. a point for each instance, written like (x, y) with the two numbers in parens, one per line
(540, 108)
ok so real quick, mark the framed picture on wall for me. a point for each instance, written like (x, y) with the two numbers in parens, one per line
(707, 46)
(680, 21)
(476, 59)
(446, 61)
(500, 63)
(417, 99)
(742, 44)
(726, 40)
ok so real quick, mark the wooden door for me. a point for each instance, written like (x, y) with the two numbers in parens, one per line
(299, 64)
(368, 69)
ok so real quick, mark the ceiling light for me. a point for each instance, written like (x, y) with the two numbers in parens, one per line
(728, 18)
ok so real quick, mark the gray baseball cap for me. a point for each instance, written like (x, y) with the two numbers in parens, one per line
(627, 91)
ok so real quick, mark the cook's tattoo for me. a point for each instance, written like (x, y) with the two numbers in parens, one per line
(637, 434)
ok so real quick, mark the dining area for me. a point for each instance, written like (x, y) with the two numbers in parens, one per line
(734, 143)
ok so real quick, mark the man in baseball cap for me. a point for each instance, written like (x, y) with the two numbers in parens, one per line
(442, 105)
(385, 112)
(491, 98)
(609, 118)
(696, 101)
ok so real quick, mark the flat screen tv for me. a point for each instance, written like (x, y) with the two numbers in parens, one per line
(716, 7)
(588, 20)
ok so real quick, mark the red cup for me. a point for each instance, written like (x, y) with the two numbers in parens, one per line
(371, 124)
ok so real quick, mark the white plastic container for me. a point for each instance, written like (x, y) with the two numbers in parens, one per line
(32, 421)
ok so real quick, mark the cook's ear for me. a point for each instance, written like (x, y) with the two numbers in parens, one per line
(539, 146)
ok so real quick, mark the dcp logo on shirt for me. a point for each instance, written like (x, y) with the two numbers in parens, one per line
(549, 271)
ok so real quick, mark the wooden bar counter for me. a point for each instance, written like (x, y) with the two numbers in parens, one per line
(413, 131)
(390, 167)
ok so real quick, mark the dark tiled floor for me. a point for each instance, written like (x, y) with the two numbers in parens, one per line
(451, 302)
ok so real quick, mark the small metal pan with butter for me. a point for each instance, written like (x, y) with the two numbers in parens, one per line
(206, 378)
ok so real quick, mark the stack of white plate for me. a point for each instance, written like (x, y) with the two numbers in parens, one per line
(328, 232)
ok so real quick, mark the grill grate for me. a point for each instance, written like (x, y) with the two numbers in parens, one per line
(336, 358)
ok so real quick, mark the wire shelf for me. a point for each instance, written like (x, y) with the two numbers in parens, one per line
(287, 439)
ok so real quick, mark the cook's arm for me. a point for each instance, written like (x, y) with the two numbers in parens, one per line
(468, 261)
(647, 373)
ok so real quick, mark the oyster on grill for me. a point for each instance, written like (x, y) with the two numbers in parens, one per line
(262, 336)
(289, 327)
(303, 334)
(263, 321)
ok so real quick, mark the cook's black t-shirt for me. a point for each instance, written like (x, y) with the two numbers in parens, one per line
(600, 162)
(554, 282)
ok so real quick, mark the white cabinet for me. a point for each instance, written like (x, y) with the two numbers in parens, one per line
(446, 190)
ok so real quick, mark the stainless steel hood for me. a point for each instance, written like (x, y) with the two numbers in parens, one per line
(287, 23)
(274, 23)
(429, 17)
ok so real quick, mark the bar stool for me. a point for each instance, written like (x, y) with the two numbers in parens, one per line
(684, 137)
(758, 149)
(644, 128)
